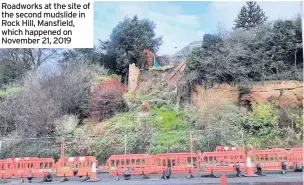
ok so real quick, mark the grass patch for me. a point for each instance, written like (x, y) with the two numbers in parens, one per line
(99, 79)
(6, 92)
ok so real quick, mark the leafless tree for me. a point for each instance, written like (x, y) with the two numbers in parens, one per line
(221, 30)
(31, 58)
(44, 97)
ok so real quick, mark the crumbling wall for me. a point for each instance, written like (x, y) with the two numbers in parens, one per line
(282, 93)
(134, 73)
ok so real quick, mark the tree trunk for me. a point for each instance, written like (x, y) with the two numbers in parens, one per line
(277, 69)
(142, 64)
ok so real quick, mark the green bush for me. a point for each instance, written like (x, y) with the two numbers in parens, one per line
(168, 120)
(129, 124)
(6, 92)
(172, 131)
(113, 76)
(243, 90)
(160, 103)
(261, 125)
(176, 141)
(300, 127)
(99, 79)
(220, 124)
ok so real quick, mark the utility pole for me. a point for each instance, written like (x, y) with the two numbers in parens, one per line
(243, 142)
(125, 144)
(191, 146)
(62, 148)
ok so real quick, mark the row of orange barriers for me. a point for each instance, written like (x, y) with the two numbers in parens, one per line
(234, 159)
(22, 167)
(43, 167)
(224, 159)
(144, 164)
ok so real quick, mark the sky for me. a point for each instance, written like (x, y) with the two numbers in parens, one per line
(180, 23)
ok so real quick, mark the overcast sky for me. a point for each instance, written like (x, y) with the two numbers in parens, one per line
(181, 22)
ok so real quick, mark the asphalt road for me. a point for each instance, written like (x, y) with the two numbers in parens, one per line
(291, 178)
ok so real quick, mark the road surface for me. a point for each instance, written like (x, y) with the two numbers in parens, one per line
(291, 178)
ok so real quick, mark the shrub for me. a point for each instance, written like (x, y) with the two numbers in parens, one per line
(5, 92)
(104, 78)
(107, 99)
(129, 123)
(175, 141)
(220, 124)
(300, 127)
(243, 90)
(160, 103)
(44, 97)
(261, 125)
(172, 131)
(168, 120)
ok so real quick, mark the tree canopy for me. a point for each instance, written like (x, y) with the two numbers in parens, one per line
(250, 16)
(127, 43)
(270, 51)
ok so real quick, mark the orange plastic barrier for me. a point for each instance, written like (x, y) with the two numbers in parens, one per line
(39, 167)
(269, 159)
(75, 166)
(179, 163)
(223, 162)
(138, 164)
(296, 156)
(6, 169)
(22, 158)
(228, 149)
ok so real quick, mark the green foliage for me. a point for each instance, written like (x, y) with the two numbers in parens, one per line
(11, 72)
(160, 103)
(113, 76)
(261, 125)
(6, 92)
(300, 127)
(215, 62)
(29, 147)
(266, 52)
(177, 141)
(250, 16)
(284, 47)
(123, 123)
(168, 120)
(172, 131)
(99, 79)
(127, 42)
(89, 55)
(243, 90)
(221, 124)
(135, 99)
